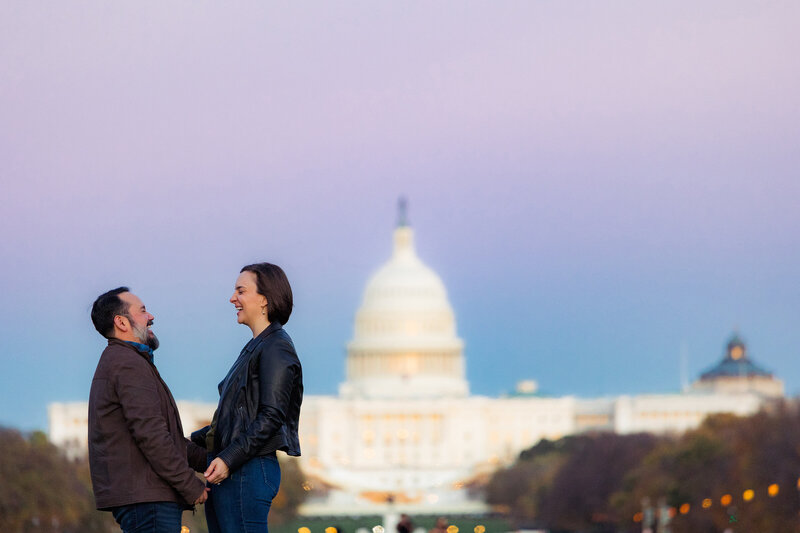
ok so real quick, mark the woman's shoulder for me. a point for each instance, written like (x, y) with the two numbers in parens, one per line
(278, 343)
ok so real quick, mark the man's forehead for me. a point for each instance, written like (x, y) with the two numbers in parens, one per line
(130, 299)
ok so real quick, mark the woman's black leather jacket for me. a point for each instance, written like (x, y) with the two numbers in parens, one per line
(259, 401)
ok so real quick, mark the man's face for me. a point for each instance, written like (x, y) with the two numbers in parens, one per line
(139, 319)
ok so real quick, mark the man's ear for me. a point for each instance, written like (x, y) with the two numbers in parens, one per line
(122, 323)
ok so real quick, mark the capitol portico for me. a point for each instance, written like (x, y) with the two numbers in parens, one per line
(404, 428)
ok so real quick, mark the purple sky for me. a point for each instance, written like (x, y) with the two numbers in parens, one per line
(598, 184)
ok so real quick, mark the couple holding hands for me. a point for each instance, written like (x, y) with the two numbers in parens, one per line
(142, 466)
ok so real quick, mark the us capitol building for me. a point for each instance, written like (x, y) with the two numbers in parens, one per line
(404, 429)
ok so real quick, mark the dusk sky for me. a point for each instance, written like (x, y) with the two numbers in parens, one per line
(601, 186)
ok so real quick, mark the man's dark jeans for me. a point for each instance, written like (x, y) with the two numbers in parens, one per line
(151, 517)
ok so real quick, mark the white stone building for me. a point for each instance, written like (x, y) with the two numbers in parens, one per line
(404, 429)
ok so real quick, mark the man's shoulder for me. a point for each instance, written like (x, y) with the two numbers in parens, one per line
(118, 355)
(118, 349)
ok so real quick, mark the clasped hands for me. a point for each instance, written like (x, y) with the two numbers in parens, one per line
(203, 496)
(217, 471)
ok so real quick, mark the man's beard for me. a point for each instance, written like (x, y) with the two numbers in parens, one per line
(146, 336)
(152, 341)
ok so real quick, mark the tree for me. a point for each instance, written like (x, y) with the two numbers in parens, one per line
(567, 484)
(579, 498)
(678, 471)
(725, 457)
(729, 472)
(43, 491)
(520, 488)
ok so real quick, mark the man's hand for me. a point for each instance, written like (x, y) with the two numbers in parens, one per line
(203, 497)
(217, 471)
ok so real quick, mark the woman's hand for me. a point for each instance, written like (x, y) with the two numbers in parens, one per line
(217, 471)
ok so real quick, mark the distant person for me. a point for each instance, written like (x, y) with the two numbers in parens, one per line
(259, 407)
(405, 525)
(139, 459)
(440, 526)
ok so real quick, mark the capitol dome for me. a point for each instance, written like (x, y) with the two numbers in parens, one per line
(405, 342)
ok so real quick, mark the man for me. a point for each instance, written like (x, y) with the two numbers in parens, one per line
(405, 525)
(139, 459)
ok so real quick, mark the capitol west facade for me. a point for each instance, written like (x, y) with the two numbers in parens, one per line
(404, 429)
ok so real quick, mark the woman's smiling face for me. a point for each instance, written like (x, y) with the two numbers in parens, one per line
(251, 307)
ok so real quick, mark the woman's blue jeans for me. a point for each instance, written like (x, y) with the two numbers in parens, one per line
(240, 504)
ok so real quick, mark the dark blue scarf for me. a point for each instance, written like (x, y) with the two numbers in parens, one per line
(145, 349)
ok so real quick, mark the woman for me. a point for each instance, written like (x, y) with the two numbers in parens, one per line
(259, 407)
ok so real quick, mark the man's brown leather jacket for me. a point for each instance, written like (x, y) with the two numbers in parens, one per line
(137, 451)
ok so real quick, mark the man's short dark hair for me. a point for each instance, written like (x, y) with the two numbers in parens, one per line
(105, 308)
(272, 283)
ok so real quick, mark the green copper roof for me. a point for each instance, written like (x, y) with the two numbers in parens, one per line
(735, 363)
